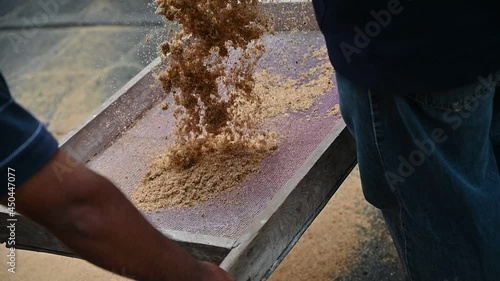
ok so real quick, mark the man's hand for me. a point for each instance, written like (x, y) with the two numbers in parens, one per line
(92, 217)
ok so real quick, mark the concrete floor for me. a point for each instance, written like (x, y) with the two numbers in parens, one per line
(63, 64)
(63, 60)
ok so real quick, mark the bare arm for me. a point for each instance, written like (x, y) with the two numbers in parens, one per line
(93, 218)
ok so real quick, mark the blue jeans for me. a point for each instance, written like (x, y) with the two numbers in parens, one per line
(429, 162)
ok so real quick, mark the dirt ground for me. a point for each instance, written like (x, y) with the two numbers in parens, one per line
(347, 241)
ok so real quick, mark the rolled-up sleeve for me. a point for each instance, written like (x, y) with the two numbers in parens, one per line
(25, 145)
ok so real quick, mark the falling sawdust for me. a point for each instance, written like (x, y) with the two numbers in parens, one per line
(335, 230)
(210, 64)
(209, 71)
(220, 101)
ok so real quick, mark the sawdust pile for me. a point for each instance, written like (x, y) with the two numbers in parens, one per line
(209, 71)
(220, 170)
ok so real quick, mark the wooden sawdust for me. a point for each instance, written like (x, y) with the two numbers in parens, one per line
(217, 172)
(209, 70)
(329, 247)
(210, 62)
(220, 101)
(280, 95)
(334, 111)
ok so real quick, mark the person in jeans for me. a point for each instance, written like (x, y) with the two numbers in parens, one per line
(418, 91)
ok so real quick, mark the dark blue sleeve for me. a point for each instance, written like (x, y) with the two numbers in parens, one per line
(25, 145)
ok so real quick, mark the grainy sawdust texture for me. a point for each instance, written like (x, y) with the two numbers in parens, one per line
(335, 110)
(220, 101)
(220, 170)
(279, 95)
(211, 62)
(209, 71)
(328, 248)
(347, 241)
(331, 248)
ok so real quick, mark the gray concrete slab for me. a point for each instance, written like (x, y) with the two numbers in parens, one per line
(50, 67)
(60, 13)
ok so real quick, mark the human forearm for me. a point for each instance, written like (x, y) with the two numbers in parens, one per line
(107, 230)
(94, 219)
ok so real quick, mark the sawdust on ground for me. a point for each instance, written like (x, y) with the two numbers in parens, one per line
(335, 110)
(63, 88)
(209, 65)
(330, 245)
(218, 171)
